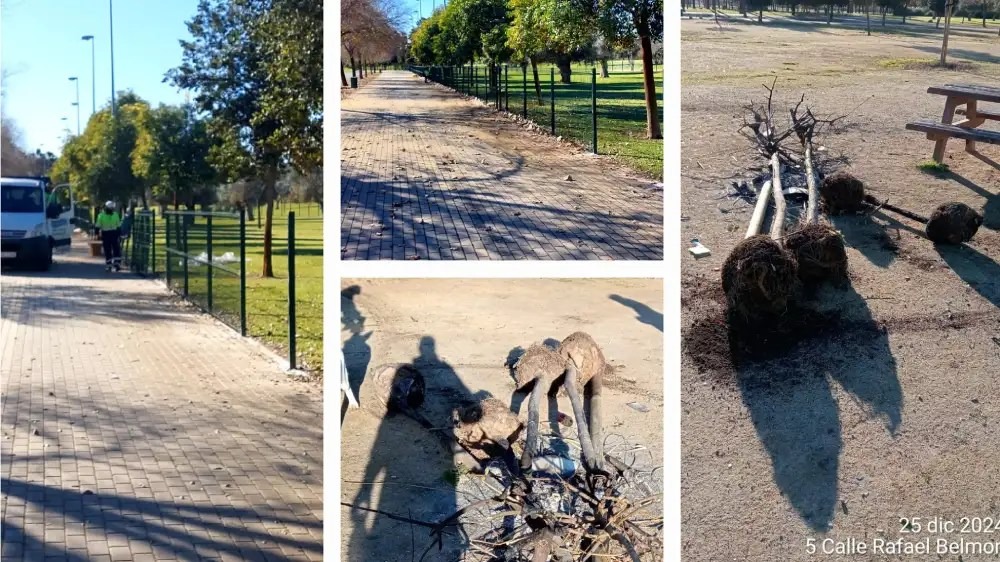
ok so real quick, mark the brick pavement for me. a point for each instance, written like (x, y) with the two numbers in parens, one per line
(428, 174)
(135, 428)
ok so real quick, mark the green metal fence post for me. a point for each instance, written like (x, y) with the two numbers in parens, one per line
(184, 250)
(506, 88)
(152, 236)
(593, 104)
(291, 290)
(209, 265)
(552, 98)
(475, 78)
(524, 90)
(243, 272)
(167, 242)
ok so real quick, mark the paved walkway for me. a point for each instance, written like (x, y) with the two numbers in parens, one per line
(137, 429)
(430, 175)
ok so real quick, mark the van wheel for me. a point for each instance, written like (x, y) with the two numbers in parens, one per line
(45, 262)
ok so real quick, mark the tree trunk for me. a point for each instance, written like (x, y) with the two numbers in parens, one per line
(760, 16)
(604, 68)
(343, 77)
(354, 68)
(829, 14)
(565, 70)
(538, 83)
(868, 18)
(269, 196)
(883, 16)
(649, 86)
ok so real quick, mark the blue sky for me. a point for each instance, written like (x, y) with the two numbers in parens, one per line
(41, 49)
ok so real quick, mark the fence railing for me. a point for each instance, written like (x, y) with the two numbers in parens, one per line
(139, 249)
(206, 262)
(565, 109)
(205, 258)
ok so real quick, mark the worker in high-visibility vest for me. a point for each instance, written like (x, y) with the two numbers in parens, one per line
(109, 225)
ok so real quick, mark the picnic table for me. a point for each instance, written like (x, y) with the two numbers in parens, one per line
(961, 99)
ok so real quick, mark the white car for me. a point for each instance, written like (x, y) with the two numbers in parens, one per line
(31, 228)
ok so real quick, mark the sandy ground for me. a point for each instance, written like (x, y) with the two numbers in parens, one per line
(891, 410)
(460, 333)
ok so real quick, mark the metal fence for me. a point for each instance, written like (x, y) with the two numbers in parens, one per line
(139, 249)
(203, 256)
(573, 113)
(206, 262)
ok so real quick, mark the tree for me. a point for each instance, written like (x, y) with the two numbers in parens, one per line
(99, 162)
(172, 155)
(624, 21)
(526, 35)
(237, 56)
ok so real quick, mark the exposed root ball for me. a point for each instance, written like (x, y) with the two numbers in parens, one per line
(820, 253)
(539, 361)
(486, 426)
(583, 351)
(953, 223)
(759, 278)
(393, 388)
(841, 193)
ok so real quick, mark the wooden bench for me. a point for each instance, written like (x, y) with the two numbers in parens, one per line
(961, 99)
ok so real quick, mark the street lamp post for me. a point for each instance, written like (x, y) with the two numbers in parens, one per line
(93, 73)
(76, 81)
(111, 20)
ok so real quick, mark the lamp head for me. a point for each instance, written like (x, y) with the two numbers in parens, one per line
(87, 37)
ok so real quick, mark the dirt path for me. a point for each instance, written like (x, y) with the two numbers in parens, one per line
(891, 411)
(135, 428)
(428, 174)
(460, 333)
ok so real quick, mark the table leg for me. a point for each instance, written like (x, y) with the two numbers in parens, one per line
(947, 118)
(974, 121)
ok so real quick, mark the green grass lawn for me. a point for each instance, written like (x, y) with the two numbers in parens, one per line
(267, 298)
(621, 109)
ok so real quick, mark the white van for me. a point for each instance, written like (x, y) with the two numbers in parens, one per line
(32, 222)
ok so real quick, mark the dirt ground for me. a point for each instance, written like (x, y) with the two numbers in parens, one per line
(460, 334)
(888, 408)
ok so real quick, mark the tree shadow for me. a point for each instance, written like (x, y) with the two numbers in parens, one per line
(794, 410)
(978, 270)
(868, 237)
(187, 530)
(405, 470)
(415, 220)
(644, 313)
(991, 209)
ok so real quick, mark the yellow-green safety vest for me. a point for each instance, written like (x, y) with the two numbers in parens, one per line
(108, 221)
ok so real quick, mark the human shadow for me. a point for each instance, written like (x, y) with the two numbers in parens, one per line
(408, 471)
(644, 313)
(795, 412)
(357, 351)
(978, 270)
